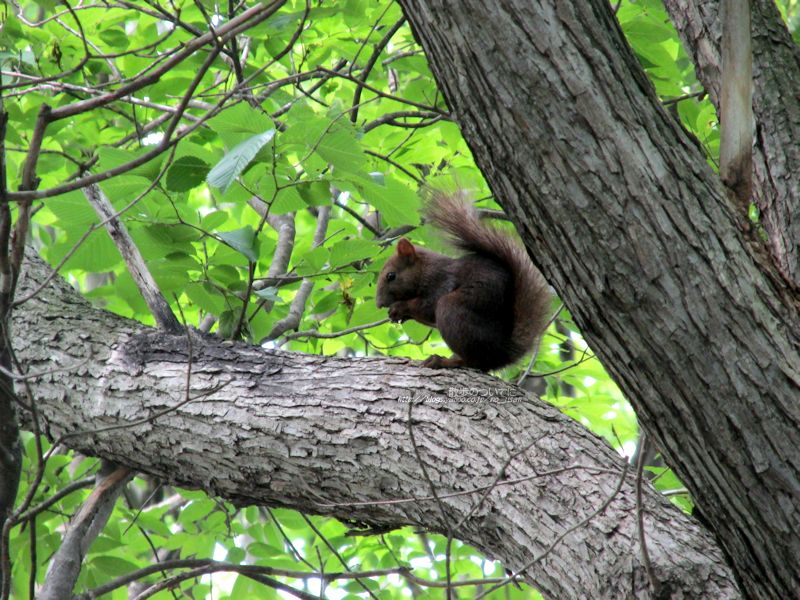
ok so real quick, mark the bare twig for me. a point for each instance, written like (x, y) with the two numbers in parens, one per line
(383, 94)
(246, 20)
(648, 566)
(364, 222)
(337, 554)
(393, 119)
(292, 320)
(313, 333)
(676, 100)
(396, 165)
(68, 489)
(538, 345)
(377, 51)
(218, 566)
(137, 267)
(84, 527)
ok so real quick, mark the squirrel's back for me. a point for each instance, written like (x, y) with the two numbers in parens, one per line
(468, 232)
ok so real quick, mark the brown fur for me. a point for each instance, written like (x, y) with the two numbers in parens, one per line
(490, 304)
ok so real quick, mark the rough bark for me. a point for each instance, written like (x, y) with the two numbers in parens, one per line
(631, 227)
(329, 435)
(776, 71)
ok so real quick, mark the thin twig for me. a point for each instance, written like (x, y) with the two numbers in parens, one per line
(313, 333)
(336, 553)
(648, 566)
(376, 52)
(538, 345)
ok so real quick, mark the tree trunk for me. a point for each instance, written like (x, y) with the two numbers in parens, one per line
(632, 228)
(330, 436)
(776, 71)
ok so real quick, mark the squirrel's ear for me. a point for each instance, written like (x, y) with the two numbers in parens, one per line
(405, 248)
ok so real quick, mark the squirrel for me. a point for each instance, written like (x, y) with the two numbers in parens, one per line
(489, 305)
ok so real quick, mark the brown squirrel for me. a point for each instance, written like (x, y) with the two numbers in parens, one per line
(490, 304)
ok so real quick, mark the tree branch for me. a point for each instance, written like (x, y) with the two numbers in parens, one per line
(736, 103)
(328, 435)
(298, 306)
(84, 527)
(776, 81)
(134, 261)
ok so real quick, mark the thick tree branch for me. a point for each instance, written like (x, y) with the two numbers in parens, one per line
(330, 436)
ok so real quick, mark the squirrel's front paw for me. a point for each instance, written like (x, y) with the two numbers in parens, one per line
(396, 313)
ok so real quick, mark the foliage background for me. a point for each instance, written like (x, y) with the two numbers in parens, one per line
(330, 111)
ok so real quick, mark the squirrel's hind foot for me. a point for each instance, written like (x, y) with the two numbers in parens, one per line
(440, 362)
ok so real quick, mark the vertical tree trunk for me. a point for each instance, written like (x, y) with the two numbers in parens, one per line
(776, 71)
(631, 227)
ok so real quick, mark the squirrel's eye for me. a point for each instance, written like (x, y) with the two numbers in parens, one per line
(391, 276)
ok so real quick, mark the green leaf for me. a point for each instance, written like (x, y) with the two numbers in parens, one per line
(261, 550)
(366, 312)
(196, 511)
(287, 200)
(313, 261)
(328, 302)
(243, 240)
(116, 38)
(753, 213)
(96, 254)
(348, 251)
(397, 203)
(205, 297)
(111, 158)
(72, 210)
(104, 544)
(240, 118)
(269, 293)
(315, 193)
(235, 162)
(214, 220)
(112, 565)
(416, 331)
(341, 149)
(236, 555)
(186, 173)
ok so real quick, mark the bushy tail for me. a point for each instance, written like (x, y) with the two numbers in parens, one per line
(452, 213)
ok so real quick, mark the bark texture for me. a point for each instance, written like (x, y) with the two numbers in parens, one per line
(622, 214)
(330, 436)
(776, 71)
